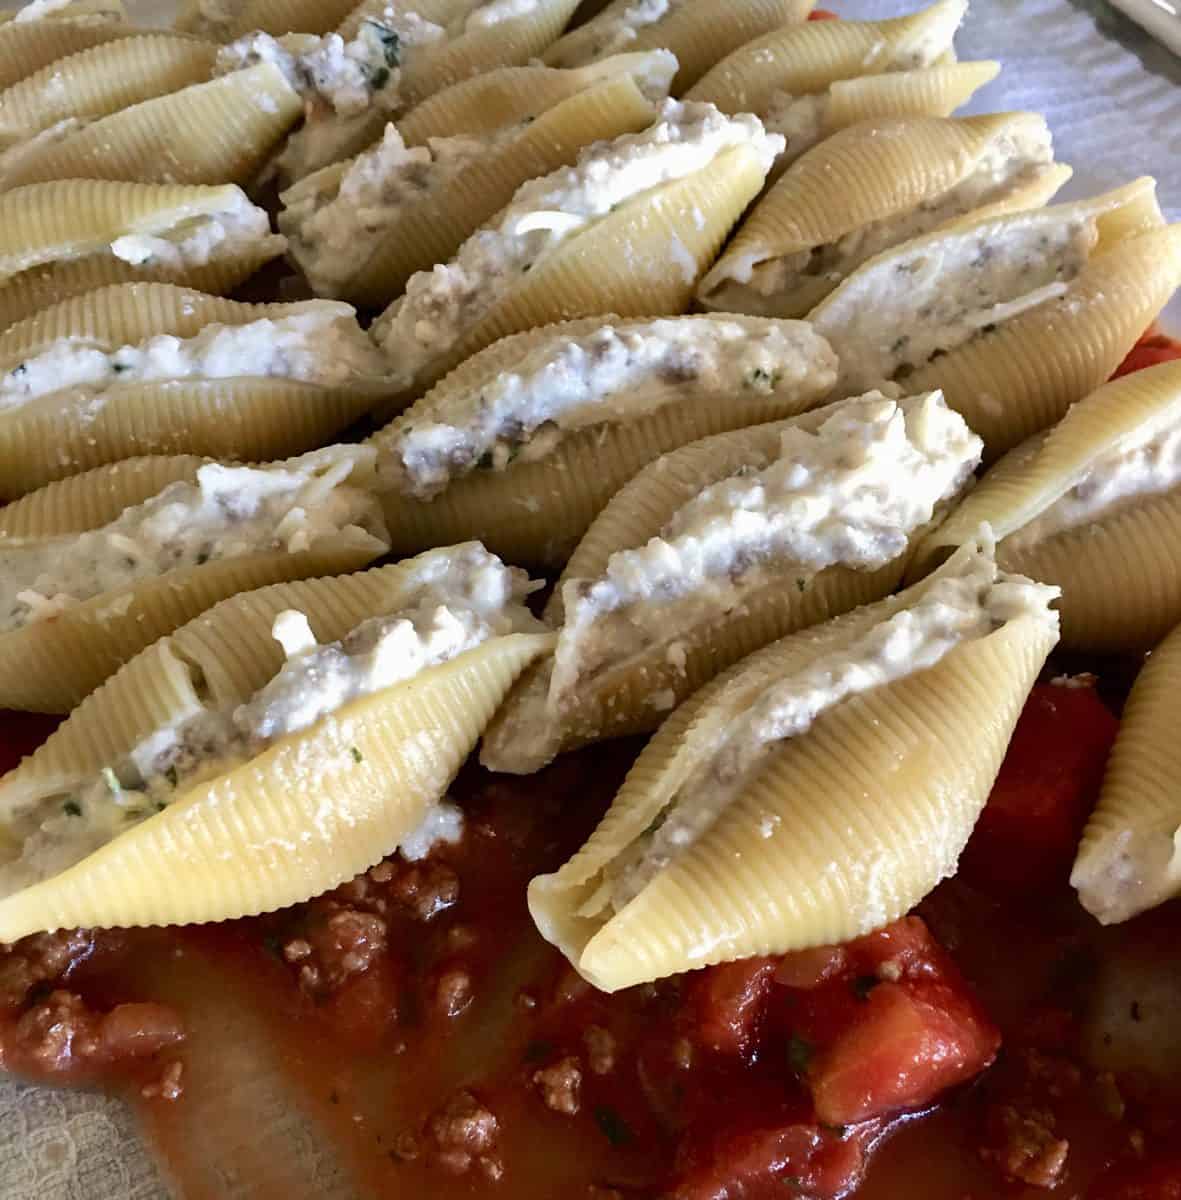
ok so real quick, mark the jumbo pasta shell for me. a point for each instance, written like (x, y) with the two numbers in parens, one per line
(902, 170)
(225, 847)
(102, 80)
(487, 104)
(915, 311)
(250, 417)
(699, 33)
(839, 831)
(275, 17)
(631, 691)
(95, 637)
(802, 60)
(643, 259)
(430, 229)
(55, 239)
(27, 46)
(216, 132)
(926, 92)
(1128, 859)
(566, 490)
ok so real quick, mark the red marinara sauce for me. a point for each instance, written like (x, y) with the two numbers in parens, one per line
(410, 1034)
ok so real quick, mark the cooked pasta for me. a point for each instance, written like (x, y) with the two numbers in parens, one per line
(77, 602)
(723, 546)
(28, 45)
(565, 415)
(814, 792)
(328, 715)
(869, 188)
(145, 368)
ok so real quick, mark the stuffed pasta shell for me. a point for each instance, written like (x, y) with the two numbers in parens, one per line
(34, 37)
(1128, 859)
(361, 228)
(149, 368)
(524, 443)
(723, 546)
(220, 131)
(271, 749)
(698, 32)
(808, 81)
(814, 792)
(62, 98)
(1097, 498)
(96, 567)
(60, 239)
(224, 20)
(871, 187)
(1014, 317)
(629, 229)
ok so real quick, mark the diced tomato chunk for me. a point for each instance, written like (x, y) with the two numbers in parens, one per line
(1159, 1179)
(822, 14)
(807, 969)
(730, 1001)
(1028, 832)
(911, 1043)
(1151, 350)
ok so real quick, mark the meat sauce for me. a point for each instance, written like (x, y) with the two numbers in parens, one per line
(410, 1034)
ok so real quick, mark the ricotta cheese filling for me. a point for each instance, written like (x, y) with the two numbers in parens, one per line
(227, 512)
(323, 344)
(956, 609)
(852, 493)
(337, 223)
(459, 600)
(196, 241)
(440, 304)
(37, 10)
(615, 29)
(1007, 165)
(1147, 463)
(947, 289)
(565, 384)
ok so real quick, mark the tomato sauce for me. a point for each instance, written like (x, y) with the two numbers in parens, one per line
(411, 1034)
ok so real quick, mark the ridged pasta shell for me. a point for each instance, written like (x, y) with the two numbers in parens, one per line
(862, 178)
(261, 835)
(925, 92)
(802, 60)
(216, 132)
(251, 417)
(842, 829)
(95, 637)
(430, 229)
(275, 17)
(1137, 542)
(1020, 376)
(100, 81)
(1128, 860)
(643, 259)
(632, 692)
(699, 33)
(489, 103)
(55, 240)
(27, 46)
(568, 488)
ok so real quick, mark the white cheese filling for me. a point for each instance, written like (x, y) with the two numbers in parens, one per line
(616, 373)
(214, 19)
(956, 609)
(947, 289)
(440, 304)
(227, 512)
(852, 494)
(336, 226)
(237, 229)
(37, 10)
(1008, 164)
(321, 344)
(1146, 464)
(459, 600)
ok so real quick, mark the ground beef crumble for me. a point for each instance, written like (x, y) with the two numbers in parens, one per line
(560, 1086)
(43, 958)
(463, 1136)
